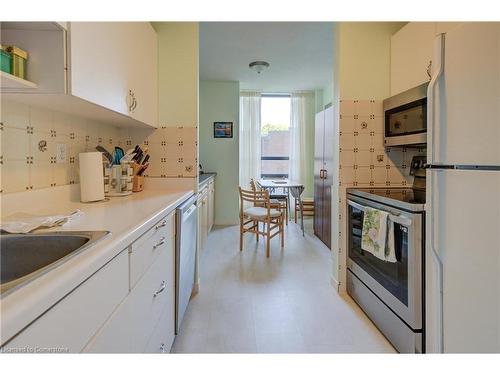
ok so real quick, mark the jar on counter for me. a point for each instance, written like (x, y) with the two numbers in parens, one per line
(5, 60)
(19, 59)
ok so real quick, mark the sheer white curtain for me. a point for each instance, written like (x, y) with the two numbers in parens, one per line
(301, 122)
(249, 137)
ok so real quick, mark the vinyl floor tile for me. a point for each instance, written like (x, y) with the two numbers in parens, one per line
(248, 303)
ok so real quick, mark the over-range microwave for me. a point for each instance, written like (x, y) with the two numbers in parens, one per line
(406, 118)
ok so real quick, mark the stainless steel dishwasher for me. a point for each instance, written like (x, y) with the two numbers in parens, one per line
(185, 257)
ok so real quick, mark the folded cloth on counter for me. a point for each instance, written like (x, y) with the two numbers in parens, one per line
(374, 233)
(25, 223)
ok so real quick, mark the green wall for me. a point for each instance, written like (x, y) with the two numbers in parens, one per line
(178, 73)
(219, 101)
(361, 70)
(323, 97)
(318, 100)
(327, 94)
(365, 59)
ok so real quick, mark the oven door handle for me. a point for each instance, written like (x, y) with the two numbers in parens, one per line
(399, 219)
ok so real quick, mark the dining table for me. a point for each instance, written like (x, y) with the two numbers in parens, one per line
(293, 188)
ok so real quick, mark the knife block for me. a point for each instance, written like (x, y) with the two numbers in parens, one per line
(138, 184)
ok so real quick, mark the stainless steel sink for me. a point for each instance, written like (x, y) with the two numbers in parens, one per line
(25, 257)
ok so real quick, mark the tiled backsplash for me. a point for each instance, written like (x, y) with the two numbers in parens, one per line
(27, 164)
(173, 150)
(363, 160)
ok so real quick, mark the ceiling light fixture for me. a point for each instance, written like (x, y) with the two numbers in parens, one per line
(258, 66)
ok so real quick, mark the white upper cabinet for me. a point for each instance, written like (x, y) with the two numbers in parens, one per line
(443, 27)
(412, 48)
(114, 65)
(100, 66)
(143, 45)
(411, 55)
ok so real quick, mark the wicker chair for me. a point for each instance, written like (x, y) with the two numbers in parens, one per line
(278, 200)
(307, 208)
(259, 210)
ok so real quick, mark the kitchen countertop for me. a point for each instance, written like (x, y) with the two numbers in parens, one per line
(127, 218)
(205, 177)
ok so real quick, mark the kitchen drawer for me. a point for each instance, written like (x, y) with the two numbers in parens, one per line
(70, 323)
(203, 191)
(131, 325)
(164, 333)
(145, 250)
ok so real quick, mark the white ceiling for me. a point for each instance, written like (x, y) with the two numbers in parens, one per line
(300, 54)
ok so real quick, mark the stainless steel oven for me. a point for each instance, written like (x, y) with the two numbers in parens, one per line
(390, 293)
(406, 118)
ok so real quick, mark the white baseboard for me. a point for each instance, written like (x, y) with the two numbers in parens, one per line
(226, 224)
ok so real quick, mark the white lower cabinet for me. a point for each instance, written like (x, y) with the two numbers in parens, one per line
(70, 323)
(204, 218)
(211, 204)
(163, 334)
(127, 306)
(145, 250)
(145, 319)
(206, 212)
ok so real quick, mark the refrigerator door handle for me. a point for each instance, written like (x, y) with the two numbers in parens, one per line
(438, 262)
(431, 115)
(431, 126)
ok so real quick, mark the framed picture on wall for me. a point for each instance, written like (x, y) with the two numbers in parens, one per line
(223, 129)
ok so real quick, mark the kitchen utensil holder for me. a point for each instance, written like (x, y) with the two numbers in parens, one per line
(118, 180)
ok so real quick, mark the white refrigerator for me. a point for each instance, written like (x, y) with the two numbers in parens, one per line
(463, 192)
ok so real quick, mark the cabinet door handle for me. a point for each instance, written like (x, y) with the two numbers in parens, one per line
(321, 173)
(162, 288)
(163, 224)
(134, 103)
(129, 100)
(162, 241)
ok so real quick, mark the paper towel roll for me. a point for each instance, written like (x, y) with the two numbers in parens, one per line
(91, 177)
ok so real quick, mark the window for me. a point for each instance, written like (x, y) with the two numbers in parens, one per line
(275, 135)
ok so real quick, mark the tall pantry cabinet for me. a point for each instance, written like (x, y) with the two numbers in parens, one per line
(323, 175)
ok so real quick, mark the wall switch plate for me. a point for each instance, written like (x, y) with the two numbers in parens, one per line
(61, 153)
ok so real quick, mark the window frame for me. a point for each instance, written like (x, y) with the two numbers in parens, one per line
(274, 175)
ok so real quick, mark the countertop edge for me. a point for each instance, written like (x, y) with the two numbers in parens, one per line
(211, 176)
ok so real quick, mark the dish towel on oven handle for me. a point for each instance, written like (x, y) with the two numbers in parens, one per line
(374, 233)
(390, 249)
